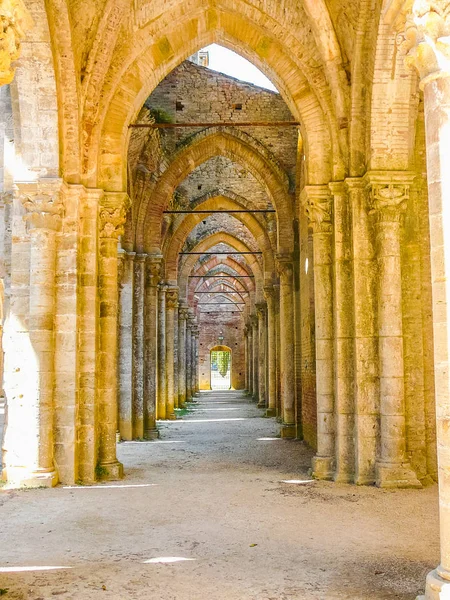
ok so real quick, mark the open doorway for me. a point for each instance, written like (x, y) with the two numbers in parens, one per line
(220, 368)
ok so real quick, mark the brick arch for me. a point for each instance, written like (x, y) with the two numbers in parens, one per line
(219, 142)
(228, 293)
(184, 228)
(292, 64)
(219, 238)
(213, 267)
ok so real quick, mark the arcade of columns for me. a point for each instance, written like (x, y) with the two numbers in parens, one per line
(66, 281)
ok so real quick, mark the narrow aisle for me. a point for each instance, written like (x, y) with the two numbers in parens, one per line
(218, 508)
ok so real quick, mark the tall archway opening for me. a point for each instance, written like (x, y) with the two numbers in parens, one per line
(220, 368)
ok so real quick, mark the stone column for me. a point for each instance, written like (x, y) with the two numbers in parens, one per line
(388, 198)
(171, 307)
(287, 372)
(261, 313)
(250, 357)
(112, 218)
(43, 219)
(317, 203)
(276, 290)
(182, 317)
(271, 351)
(126, 280)
(194, 332)
(246, 357)
(138, 346)
(152, 277)
(189, 325)
(343, 335)
(162, 365)
(255, 364)
(427, 40)
(176, 382)
(365, 347)
(196, 376)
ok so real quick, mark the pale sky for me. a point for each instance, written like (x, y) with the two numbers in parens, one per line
(228, 62)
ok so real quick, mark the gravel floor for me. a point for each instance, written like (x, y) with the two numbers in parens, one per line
(206, 513)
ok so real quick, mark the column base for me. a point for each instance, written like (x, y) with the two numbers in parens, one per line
(261, 405)
(111, 471)
(322, 467)
(271, 412)
(343, 478)
(437, 588)
(171, 417)
(400, 476)
(288, 431)
(151, 434)
(17, 479)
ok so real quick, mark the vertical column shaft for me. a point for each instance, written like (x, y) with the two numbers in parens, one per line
(152, 276)
(429, 49)
(287, 374)
(112, 218)
(271, 351)
(388, 202)
(138, 346)
(188, 357)
(343, 335)
(318, 208)
(250, 358)
(365, 349)
(162, 367)
(255, 350)
(171, 307)
(126, 282)
(261, 312)
(182, 316)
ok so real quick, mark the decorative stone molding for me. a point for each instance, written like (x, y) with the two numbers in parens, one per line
(284, 265)
(44, 210)
(269, 293)
(426, 38)
(261, 308)
(388, 194)
(316, 202)
(172, 298)
(388, 202)
(182, 313)
(113, 210)
(153, 269)
(14, 22)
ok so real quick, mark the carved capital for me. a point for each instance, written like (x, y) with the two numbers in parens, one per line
(316, 202)
(269, 294)
(14, 22)
(426, 38)
(388, 194)
(113, 210)
(182, 313)
(260, 309)
(44, 210)
(172, 298)
(284, 265)
(153, 264)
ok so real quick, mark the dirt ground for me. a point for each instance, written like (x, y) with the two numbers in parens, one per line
(211, 491)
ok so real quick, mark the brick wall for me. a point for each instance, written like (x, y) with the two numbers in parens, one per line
(211, 322)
